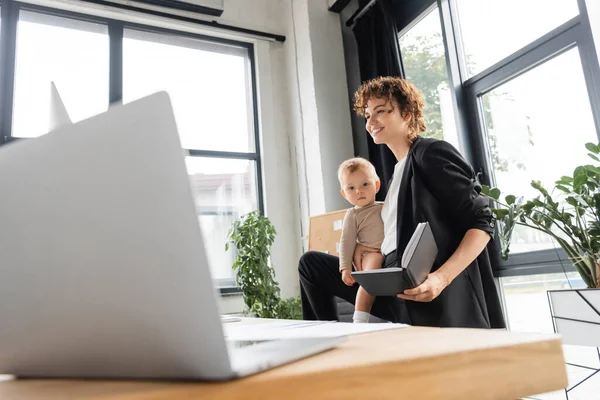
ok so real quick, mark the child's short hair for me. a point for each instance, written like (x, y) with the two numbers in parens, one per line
(354, 164)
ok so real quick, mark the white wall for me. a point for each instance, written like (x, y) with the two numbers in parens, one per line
(329, 74)
(264, 15)
(280, 187)
(302, 112)
(321, 130)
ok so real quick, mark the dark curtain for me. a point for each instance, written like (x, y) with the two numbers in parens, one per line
(379, 55)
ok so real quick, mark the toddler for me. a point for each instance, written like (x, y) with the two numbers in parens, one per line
(363, 224)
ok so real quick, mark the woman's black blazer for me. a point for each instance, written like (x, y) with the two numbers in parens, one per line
(439, 186)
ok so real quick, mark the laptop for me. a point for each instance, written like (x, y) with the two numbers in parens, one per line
(59, 116)
(104, 272)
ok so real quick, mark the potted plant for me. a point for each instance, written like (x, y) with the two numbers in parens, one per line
(252, 236)
(570, 214)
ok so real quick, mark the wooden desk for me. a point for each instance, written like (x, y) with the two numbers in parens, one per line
(410, 363)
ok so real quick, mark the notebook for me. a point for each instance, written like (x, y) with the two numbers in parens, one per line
(417, 261)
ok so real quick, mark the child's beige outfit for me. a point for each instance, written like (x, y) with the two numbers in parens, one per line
(361, 225)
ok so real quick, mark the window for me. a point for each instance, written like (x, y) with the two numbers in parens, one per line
(224, 190)
(424, 63)
(526, 301)
(531, 135)
(73, 54)
(210, 88)
(529, 117)
(208, 85)
(494, 29)
(91, 60)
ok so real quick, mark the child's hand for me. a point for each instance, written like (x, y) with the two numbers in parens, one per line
(347, 277)
(359, 252)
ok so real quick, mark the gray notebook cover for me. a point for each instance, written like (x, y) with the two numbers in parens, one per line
(418, 258)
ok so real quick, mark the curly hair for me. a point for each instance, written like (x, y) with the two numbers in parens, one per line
(357, 163)
(399, 92)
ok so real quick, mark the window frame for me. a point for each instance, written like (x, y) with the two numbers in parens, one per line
(432, 8)
(565, 37)
(116, 29)
(466, 96)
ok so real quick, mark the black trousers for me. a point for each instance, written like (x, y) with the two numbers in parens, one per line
(321, 280)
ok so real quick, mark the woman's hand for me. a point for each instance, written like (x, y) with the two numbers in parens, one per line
(469, 248)
(359, 251)
(428, 290)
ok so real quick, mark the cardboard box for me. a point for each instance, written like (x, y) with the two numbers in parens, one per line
(324, 232)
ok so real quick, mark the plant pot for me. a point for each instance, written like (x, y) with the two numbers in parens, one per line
(576, 315)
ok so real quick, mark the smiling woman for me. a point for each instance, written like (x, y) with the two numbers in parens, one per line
(432, 183)
(378, 110)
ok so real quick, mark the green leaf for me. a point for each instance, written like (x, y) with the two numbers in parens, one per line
(580, 180)
(597, 202)
(528, 206)
(578, 171)
(495, 193)
(591, 170)
(485, 190)
(572, 201)
(592, 147)
(564, 189)
(501, 213)
(251, 237)
(510, 199)
(593, 157)
(566, 179)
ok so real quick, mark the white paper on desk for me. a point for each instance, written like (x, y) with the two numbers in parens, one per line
(286, 329)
